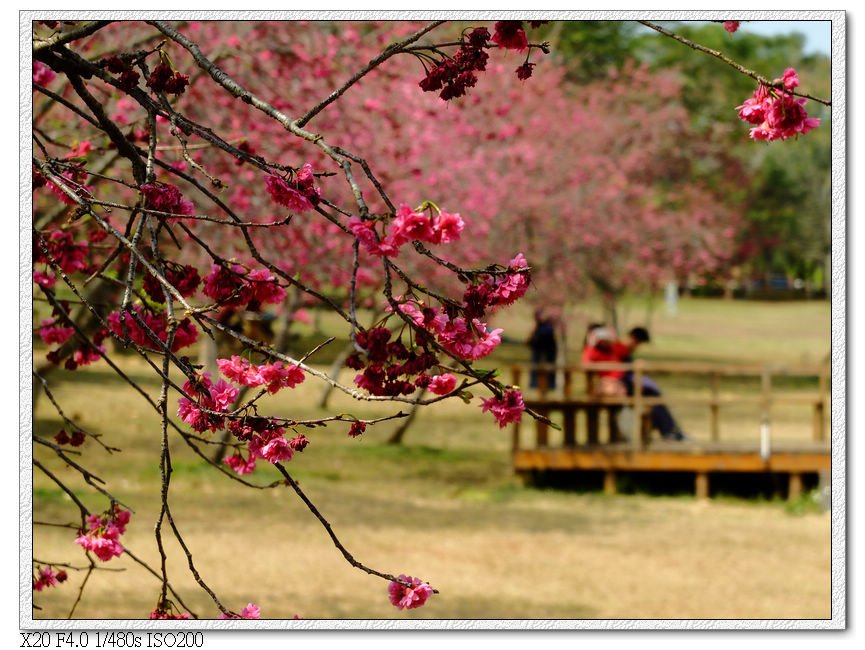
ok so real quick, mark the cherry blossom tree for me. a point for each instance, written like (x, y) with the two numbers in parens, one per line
(183, 173)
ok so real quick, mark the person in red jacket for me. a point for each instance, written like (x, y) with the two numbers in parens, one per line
(602, 346)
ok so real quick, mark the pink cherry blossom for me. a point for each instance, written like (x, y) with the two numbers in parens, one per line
(101, 537)
(264, 287)
(282, 193)
(403, 597)
(223, 395)
(448, 227)
(408, 226)
(506, 409)
(240, 371)
(239, 465)
(778, 113)
(510, 35)
(50, 333)
(42, 74)
(166, 198)
(43, 279)
(443, 384)
(276, 450)
(277, 376)
(731, 25)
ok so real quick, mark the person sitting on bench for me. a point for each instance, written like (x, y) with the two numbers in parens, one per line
(662, 419)
(603, 347)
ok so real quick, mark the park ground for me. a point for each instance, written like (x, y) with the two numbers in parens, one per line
(446, 506)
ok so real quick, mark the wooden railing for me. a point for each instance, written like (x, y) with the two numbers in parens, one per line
(572, 397)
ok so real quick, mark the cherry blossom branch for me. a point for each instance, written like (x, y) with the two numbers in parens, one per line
(736, 66)
(391, 50)
(67, 37)
(329, 529)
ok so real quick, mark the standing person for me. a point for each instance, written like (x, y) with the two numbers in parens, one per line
(662, 419)
(544, 348)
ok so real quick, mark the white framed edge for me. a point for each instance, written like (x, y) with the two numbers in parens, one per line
(839, 484)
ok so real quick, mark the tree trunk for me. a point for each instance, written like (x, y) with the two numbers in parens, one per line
(335, 367)
(99, 294)
(398, 435)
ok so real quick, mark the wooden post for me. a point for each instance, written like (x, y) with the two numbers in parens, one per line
(637, 405)
(714, 406)
(542, 375)
(820, 408)
(701, 485)
(765, 420)
(592, 419)
(613, 424)
(515, 437)
(568, 386)
(516, 375)
(794, 489)
(541, 429)
(570, 438)
(610, 482)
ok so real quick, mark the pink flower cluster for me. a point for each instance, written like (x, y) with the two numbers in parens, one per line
(442, 384)
(48, 578)
(506, 289)
(166, 198)
(249, 612)
(731, 26)
(44, 279)
(302, 195)
(76, 439)
(506, 409)
(208, 396)
(103, 533)
(185, 335)
(510, 35)
(408, 225)
(238, 286)
(51, 333)
(404, 597)
(86, 353)
(42, 74)
(128, 78)
(467, 339)
(390, 366)
(70, 255)
(165, 80)
(266, 440)
(777, 113)
(356, 429)
(453, 75)
(273, 376)
(183, 278)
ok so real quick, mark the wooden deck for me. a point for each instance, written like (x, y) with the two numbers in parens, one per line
(591, 440)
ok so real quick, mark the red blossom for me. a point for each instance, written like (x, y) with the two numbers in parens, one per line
(525, 71)
(510, 35)
(403, 597)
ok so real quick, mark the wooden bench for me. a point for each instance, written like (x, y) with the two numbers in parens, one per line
(589, 403)
(596, 412)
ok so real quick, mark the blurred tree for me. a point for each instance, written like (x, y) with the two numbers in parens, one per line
(785, 190)
(787, 193)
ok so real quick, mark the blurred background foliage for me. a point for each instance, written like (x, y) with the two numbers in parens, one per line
(786, 189)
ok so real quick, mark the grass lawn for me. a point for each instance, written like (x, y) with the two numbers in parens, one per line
(444, 506)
